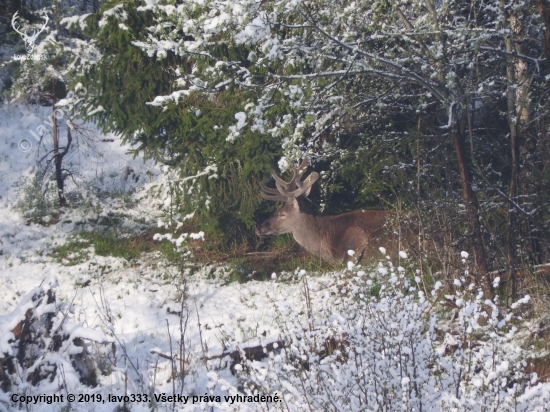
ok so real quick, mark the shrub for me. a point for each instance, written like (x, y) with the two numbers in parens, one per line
(38, 198)
(375, 341)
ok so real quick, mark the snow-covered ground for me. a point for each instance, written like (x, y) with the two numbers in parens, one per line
(359, 339)
(138, 305)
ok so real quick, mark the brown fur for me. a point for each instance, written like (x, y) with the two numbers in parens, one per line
(331, 237)
(328, 237)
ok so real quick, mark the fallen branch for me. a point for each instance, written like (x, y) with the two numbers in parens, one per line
(253, 352)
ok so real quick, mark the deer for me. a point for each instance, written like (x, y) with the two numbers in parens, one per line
(335, 238)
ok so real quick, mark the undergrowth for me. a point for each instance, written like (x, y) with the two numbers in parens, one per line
(347, 348)
(110, 243)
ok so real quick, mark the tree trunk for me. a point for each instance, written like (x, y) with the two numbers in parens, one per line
(518, 108)
(521, 71)
(514, 151)
(543, 7)
(472, 205)
(58, 162)
(540, 249)
(59, 155)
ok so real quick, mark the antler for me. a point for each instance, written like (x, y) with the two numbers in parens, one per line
(271, 194)
(293, 189)
(296, 172)
(303, 187)
(47, 19)
(13, 21)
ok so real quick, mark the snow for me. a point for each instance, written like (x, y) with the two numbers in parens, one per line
(234, 130)
(255, 31)
(80, 20)
(117, 12)
(134, 314)
(130, 304)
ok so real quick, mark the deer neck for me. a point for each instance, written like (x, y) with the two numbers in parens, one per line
(310, 235)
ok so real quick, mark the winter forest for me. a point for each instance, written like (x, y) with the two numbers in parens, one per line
(280, 205)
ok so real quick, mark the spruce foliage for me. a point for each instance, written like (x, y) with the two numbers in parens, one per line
(190, 134)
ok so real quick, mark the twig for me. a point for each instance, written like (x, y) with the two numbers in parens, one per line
(204, 352)
(172, 364)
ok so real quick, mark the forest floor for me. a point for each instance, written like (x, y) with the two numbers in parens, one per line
(119, 280)
(150, 311)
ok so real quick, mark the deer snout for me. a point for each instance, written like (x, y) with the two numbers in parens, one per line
(261, 230)
(265, 229)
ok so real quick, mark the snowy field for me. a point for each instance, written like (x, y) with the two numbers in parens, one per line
(145, 324)
(132, 304)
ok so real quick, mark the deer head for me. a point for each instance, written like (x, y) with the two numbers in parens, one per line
(288, 216)
(30, 40)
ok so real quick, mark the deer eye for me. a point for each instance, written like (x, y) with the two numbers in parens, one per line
(283, 215)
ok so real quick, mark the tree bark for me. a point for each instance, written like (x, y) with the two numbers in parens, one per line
(58, 158)
(514, 152)
(518, 108)
(57, 161)
(543, 7)
(471, 203)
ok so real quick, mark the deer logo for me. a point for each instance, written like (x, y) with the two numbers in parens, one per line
(30, 40)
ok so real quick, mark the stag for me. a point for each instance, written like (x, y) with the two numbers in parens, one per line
(30, 41)
(328, 237)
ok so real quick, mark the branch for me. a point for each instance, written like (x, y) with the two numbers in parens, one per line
(51, 151)
(409, 26)
(342, 77)
(482, 174)
(69, 141)
(316, 135)
(250, 352)
(293, 26)
(69, 174)
(339, 73)
(519, 56)
(405, 73)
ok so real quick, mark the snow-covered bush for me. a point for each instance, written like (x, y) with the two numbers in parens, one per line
(42, 351)
(374, 341)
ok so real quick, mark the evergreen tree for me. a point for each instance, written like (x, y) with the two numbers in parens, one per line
(433, 101)
(190, 131)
